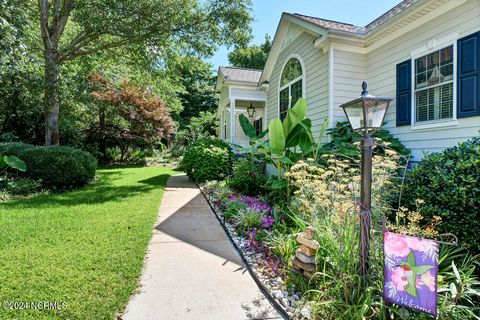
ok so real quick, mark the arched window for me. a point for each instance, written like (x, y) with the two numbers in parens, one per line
(291, 86)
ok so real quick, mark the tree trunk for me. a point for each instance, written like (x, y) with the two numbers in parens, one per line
(52, 103)
(103, 134)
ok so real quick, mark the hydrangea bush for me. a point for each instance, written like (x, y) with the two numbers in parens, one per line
(210, 159)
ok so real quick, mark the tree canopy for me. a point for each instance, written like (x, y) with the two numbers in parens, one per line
(48, 51)
(155, 29)
(254, 56)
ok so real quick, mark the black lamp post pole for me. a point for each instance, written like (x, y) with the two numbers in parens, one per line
(365, 196)
(365, 205)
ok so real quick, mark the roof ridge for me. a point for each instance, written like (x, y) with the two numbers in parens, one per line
(375, 22)
(329, 20)
(241, 68)
(400, 7)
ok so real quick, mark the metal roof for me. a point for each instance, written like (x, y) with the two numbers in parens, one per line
(240, 74)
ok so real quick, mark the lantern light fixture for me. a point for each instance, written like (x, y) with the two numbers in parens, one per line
(251, 110)
(366, 113)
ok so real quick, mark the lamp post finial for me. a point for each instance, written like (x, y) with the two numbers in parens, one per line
(364, 88)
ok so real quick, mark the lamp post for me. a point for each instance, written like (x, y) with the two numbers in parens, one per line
(251, 110)
(366, 114)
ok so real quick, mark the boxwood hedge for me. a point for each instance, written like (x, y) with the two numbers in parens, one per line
(56, 167)
(449, 183)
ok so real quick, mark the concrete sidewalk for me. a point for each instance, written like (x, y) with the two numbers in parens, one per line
(192, 271)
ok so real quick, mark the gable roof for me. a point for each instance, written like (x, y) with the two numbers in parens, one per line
(360, 30)
(240, 74)
(364, 37)
(330, 24)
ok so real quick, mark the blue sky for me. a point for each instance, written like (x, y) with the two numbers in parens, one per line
(267, 15)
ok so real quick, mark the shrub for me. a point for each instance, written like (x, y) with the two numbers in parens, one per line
(248, 177)
(60, 167)
(23, 186)
(448, 184)
(210, 159)
(57, 167)
(17, 149)
(343, 138)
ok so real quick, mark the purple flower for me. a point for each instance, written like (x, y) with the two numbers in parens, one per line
(267, 222)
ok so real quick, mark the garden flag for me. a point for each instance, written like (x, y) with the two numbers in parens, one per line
(410, 271)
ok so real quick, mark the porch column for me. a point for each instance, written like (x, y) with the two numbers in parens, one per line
(233, 124)
(220, 124)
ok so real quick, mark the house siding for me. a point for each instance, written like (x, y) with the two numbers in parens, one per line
(348, 75)
(381, 75)
(316, 80)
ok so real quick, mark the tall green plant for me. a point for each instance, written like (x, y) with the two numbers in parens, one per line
(284, 138)
(287, 141)
(10, 162)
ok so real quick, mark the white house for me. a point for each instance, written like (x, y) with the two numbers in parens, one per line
(423, 53)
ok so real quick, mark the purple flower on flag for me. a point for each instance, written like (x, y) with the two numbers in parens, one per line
(410, 271)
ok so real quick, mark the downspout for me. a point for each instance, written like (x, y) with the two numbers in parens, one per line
(330, 86)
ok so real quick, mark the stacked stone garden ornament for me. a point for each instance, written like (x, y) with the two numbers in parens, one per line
(304, 261)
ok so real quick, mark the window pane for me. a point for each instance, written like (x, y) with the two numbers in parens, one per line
(447, 72)
(434, 103)
(433, 60)
(284, 97)
(422, 106)
(446, 55)
(292, 70)
(296, 92)
(421, 80)
(421, 65)
(446, 101)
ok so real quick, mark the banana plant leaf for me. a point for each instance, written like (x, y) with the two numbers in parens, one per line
(294, 116)
(293, 156)
(276, 137)
(301, 136)
(247, 127)
(286, 160)
(263, 134)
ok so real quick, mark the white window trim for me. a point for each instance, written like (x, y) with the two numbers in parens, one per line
(280, 88)
(432, 46)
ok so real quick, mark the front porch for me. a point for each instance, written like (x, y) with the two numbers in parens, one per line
(231, 129)
(237, 90)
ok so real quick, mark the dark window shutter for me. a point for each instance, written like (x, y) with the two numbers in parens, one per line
(404, 93)
(468, 66)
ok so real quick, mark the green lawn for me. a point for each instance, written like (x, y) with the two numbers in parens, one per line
(85, 247)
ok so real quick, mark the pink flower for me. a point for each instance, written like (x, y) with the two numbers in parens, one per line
(427, 279)
(399, 278)
(421, 245)
(395, 245)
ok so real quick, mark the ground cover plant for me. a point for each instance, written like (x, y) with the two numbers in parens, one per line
(85, 247)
